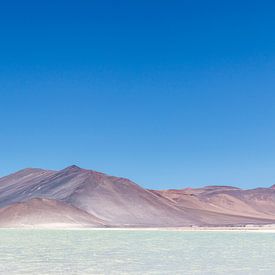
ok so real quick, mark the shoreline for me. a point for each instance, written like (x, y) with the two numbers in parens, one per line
(260, 229)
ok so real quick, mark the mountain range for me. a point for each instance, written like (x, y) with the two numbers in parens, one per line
(76, 197)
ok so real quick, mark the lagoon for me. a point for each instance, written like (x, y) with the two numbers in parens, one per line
(35, 251)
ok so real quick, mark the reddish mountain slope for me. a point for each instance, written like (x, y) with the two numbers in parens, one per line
(92, 199)
(13, 187)
(118, 201)
(258, 203)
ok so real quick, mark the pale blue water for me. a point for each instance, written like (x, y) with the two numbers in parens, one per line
(135, 252)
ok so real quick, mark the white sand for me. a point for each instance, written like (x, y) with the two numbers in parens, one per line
(62, 226)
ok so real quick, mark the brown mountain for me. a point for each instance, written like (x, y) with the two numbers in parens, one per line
(256, 203)
(75, 196)
(117, 201)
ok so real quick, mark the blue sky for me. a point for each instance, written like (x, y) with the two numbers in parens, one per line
(168, 93)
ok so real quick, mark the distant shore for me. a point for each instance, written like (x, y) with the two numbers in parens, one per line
(250, 228)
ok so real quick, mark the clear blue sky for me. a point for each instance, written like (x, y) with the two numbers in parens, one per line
(167, 93)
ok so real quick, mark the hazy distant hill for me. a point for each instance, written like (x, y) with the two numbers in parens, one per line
(75, 197)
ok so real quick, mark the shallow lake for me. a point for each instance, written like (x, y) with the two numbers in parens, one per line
(135, 252)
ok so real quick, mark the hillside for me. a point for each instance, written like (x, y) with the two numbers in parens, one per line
(46, 213)
(80, 197)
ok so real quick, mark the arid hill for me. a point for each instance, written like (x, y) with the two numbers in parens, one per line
(46, 213)
(256, 203)
(76, 197)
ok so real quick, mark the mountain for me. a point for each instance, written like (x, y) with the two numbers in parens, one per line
(76, 197)
(117, 201)
(256, 203)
